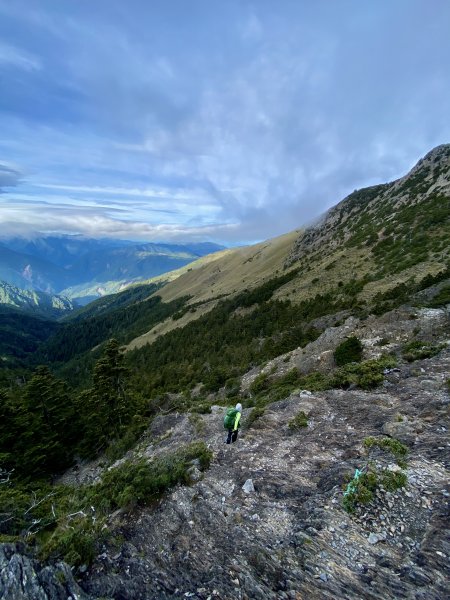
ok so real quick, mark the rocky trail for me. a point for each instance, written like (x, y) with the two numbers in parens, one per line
(285, 534)
(266, 520)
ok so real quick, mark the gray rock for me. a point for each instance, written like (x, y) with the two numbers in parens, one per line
(248, 486)
(374, 538)
(194, 474)
(22, 578)
(429, 384)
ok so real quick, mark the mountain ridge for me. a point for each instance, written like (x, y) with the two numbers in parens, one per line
(343, 246)
(34, 301)
(334, 339)
(77, 267)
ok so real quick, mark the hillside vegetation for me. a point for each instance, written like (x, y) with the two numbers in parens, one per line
(322, 335)
(382, 236)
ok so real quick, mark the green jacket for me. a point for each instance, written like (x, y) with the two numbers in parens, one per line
(237, 421)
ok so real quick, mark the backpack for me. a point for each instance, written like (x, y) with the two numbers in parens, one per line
(230, 417)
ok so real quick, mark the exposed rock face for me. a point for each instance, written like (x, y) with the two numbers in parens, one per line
(335, 227)
(378, 335)
(22, 578)
(290, 538)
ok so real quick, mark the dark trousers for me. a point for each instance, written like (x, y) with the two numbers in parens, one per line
(232, 436)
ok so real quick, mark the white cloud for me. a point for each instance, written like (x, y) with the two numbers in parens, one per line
(261, 116)
(10, 174)
(18, 58)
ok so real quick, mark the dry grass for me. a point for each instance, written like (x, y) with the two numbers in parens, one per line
(231, 271)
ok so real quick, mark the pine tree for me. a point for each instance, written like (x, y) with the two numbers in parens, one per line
(47, 425)
(8, 432)
(108, 407)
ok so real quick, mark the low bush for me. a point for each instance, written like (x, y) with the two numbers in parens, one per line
(68, 523)
(393, 480)
(395, 447)
(349, 351)
(361, 489)
(417, 350)
(204, 408)
(366, 375)
(442, 298)
(315, 382)
(255, 414)
(299, 421)
(260, 383)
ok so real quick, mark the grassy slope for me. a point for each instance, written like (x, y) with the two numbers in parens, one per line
(386, 234)
(221, 274)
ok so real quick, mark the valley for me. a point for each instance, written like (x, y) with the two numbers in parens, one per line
(335, 339)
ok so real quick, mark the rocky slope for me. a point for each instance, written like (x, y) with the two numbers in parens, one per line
(23, 578)
(33, 301)
(266, 521)
(370, 215)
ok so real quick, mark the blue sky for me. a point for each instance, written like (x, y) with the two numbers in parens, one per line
(228, 121)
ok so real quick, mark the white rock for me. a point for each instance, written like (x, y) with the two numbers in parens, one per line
(248, 486)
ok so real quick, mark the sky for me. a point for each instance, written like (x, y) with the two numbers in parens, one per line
(229, 121)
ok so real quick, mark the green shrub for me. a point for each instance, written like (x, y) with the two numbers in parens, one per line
(442, 298)
(395, 447)
(74, 531)
(75, 541)
(299, 421)
(392, 481)
(417, 350)
(197, 422)
(255, 414)
(260, 383)
(366, 375)
(204, 408)
(315, 382)
(361, 490)
(290, 378)
(349, 351)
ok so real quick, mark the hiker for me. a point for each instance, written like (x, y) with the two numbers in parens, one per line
(232, 423)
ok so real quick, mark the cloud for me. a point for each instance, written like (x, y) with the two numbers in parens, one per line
(11, 56)
(235, 119)
(10, 175)
(23, 217)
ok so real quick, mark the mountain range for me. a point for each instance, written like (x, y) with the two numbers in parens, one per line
(33, 301)
(335, 340)
(73, 266)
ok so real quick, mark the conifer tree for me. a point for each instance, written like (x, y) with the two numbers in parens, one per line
(47, 425)
(8, 431)
(108, 405)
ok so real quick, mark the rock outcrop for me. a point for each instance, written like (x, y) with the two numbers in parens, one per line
(23, 578)
(287, 535)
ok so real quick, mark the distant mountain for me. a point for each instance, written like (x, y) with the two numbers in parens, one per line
(30, 272)
(33, 301)
(80, 267)
(62, 250)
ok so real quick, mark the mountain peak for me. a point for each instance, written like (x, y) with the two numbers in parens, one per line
(436, 158)
(441, 151)
(395, 210)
